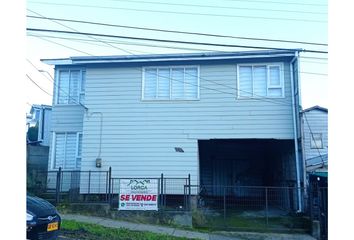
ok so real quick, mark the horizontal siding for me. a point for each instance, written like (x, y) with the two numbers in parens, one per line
(318, 121)
(67, 118)
(139, 136)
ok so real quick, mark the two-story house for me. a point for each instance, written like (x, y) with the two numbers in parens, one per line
(225, 118)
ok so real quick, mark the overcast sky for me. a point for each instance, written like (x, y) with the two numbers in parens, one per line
(303, 21)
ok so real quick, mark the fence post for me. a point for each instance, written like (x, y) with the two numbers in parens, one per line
(224, 203)
(189, 192)
(109, 185)
(266, 205)
(89, 182)
(162, 197)
(57, 187)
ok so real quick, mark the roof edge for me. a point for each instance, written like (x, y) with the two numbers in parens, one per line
(315, 108)
(170, 57)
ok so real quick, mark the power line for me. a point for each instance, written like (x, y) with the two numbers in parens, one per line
(65, 46)
(74, 39)
(57, 86)
(124, 43)
(38, 85)
(179, 32)
(262, 98)
(218, 7)
(317, 58)
(165, 40)
(182, 13)
(51, 80)
(276, 2)
(149, 45)
(77, 31)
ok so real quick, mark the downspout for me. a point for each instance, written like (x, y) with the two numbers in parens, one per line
(295, 134)
(304, 176)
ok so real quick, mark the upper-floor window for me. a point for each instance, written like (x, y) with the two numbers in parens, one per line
(71, 86)
(260, 80)
(316, 140)
(170, 83)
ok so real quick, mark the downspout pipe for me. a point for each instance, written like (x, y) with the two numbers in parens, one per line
(297, 162)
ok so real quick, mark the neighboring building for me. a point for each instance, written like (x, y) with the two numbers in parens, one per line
(224, 118)
(40, 116)
(315, 138)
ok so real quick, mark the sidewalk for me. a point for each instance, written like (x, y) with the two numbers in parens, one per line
(185, 233)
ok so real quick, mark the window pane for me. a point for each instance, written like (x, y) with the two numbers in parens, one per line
(164, 83)
(274, 75)
(150, 83)
(245, 81)
(316, 140)
(74, 86)
(260, 81)
(275, 92)
(177, 82)
(63, 87)
(191, 83)
(36, 115)
(70, 151)
(83, 81)
(59, 153)
(79, 145)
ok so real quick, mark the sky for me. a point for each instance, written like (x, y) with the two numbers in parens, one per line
(303, 21)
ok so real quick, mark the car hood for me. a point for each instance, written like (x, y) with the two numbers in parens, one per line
(40, 207)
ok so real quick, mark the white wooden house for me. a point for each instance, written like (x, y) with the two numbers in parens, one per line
(225, 118)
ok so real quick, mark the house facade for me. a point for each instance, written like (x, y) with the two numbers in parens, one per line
(315, 138)
(224, 118)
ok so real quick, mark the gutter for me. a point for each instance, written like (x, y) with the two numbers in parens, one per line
(300, 208)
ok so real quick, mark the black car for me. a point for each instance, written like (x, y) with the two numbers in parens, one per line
(43, 220)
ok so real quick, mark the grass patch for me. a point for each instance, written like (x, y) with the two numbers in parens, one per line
(237, 221)
(87, 231)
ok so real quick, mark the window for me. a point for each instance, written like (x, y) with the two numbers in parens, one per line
(67, 150)
(316, 140)
(71, 86)
(260, 80)
(37, 113)
(171, 83)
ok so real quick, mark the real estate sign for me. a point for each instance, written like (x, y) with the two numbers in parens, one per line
(138, 194)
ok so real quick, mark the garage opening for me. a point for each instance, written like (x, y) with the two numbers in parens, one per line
(248, 182)
(246, 162)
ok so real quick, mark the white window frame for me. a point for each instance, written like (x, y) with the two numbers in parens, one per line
(57, 84)
(77, 156)
(313, 141)
(269, 86)
(52, 161)
(170, 99)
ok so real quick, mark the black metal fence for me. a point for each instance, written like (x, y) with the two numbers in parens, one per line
(318, 202)
(246, 207)
(212, 206)
(71, 186)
